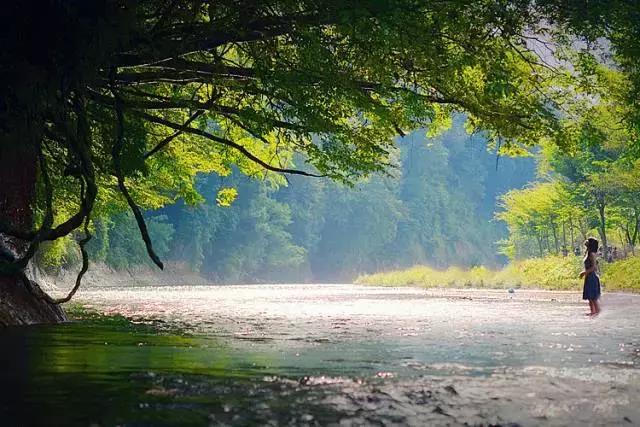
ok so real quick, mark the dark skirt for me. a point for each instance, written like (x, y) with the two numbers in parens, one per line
(591, 289)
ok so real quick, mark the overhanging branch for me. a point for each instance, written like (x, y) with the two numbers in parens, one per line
(117, 149)
(223, 141)
(171, 137)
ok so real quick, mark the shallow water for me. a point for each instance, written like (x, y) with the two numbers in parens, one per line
(327, 355)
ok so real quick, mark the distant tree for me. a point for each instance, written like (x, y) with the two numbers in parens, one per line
(535, 216)
(598, 144)
(626, 209)
(359, 227)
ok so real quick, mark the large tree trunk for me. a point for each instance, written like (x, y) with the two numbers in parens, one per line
(19, 304)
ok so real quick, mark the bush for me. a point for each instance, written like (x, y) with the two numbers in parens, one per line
(547, 273)
(554, 272)
(623, 275)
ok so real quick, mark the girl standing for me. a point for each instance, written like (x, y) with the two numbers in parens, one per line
(591, 289)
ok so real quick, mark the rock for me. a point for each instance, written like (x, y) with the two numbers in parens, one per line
(451, 390)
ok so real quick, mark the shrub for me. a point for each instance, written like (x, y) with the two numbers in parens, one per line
(553, 272)
(623, 275)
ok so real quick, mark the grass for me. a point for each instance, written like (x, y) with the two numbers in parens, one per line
(623, 275)
(553, 273)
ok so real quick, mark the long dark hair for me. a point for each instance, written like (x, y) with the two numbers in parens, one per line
(592, 245)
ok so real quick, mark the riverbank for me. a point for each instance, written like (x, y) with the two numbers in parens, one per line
(551, 273)
(101, 275)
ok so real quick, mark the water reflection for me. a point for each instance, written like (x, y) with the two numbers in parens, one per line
(345, 355)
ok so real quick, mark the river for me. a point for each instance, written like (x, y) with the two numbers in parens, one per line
(326, 355)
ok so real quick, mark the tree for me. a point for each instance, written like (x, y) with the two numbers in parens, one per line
(359, 226)
(594, 175)
(109, 105)
(530, 214)
(597, 146)
(626, 210)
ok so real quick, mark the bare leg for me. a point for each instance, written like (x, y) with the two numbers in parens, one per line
(596, 306)
(591, 308)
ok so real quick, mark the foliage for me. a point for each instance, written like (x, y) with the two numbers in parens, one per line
(128, 103)
(116, 241)
(226, 196)
(551, 272)
(558, 273)
(591, 186)
(359, 225)
(429, 277)
(623, 275)
(139, 99)
(538, 217)
(58, 253)
(449, 187)
(238, 242)
(438, 210)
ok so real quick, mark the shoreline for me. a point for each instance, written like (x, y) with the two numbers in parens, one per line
(552, 273)
(516, 288)
(100, 276)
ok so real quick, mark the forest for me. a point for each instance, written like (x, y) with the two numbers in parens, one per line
(451, 200)
(435, 207)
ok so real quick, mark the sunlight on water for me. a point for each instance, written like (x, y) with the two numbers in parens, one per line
(342, 354)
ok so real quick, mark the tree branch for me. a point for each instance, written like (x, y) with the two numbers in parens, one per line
(179, 70)
(171, 137)
(162, 103)
(206, 36)
(117, 149)
(223, 141)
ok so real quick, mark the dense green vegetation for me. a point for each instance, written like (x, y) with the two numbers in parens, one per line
(435, 208)
(127, 104)
(551, 272)
(589, 187)
(593, 188)
(623, 274)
